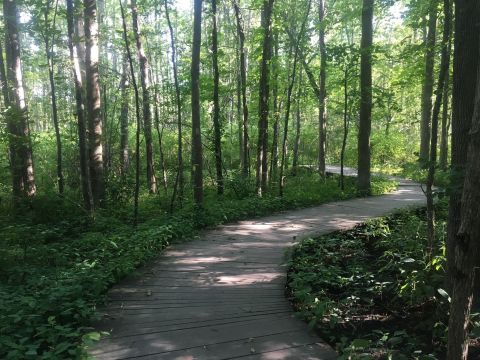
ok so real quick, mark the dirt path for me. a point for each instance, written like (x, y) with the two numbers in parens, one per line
(221, 296)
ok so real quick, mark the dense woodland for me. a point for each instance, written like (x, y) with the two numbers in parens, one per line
(127, 124)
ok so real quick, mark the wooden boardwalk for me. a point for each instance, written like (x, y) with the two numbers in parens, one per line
(221, 296)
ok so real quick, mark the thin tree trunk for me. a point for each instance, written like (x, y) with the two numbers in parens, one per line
(276, 114)
(322, 108)
(17, 116)
(147, 111)
(465, 64)
(51, 77)
(180, 176)
(197, 161)
(216, 104)
(363, 185)
(262, 145)
(345, 127)
(445, 117)
(243, 78)
(137, 114)
(94, 109)
(427, 89)
(296, 144)
(444, 66)
(79, 103)
(124, 109)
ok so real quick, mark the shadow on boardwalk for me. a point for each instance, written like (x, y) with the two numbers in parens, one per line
(221, 296)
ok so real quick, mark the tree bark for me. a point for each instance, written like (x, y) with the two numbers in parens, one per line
(463, 230)
(427, 89)
(345, 127)
(465, 64)
(467, 246)
(124, 110)
(298, 118)
(180, 178)
(147, 111)
(21, 152)
(197, 161)
(53, 95)
(94, 110)
(443, 161)
(243, 79)
(262, 145)
(276, 114)
(137, 115)
(322, 108)
(80, 111)
(216, 104)
(444, 66)
(363, 184)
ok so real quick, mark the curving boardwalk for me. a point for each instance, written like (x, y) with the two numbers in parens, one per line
(221, 296)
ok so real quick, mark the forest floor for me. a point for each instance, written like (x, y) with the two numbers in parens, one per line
(221, 296)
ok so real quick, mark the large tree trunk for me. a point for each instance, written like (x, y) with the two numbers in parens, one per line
(180, 176)
(467, 246)
(216, 105)
(427, 89)
(94, 110)
(243, 79)
(363, 184)
(124, 107)
(262, 145)
(80, 112)
(322, 108)
(463, 230)
(197, 161)
(51, 77)
(21, 153)
(147, 111)
(465, 64)
(444, 66)
(345, 127)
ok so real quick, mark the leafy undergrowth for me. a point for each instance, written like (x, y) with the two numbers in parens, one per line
(56, 264)
(374, 292)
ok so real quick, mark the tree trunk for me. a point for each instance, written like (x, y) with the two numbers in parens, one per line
(79, 107)
(180, 177)
(465, 64)
(427, 89)
(363, 185)
(443, 161)
(262, 145)
(322, 108)
(21, 152)
(53, 94)
(276, 114)
(463, 234)
(444, 66)
(124, 109)
(345, 127)
(467, 246)
(137, 115)
(298, 119)
(243, 78)
(216, 104)
(94, 110)
(197, 161)
(147, 111)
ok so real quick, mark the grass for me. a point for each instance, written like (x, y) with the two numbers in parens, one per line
(56, 264)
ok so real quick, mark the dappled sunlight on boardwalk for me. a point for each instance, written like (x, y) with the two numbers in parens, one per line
(221, 296)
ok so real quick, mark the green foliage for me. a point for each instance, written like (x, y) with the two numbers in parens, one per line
(374, 292)
(56, 263)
